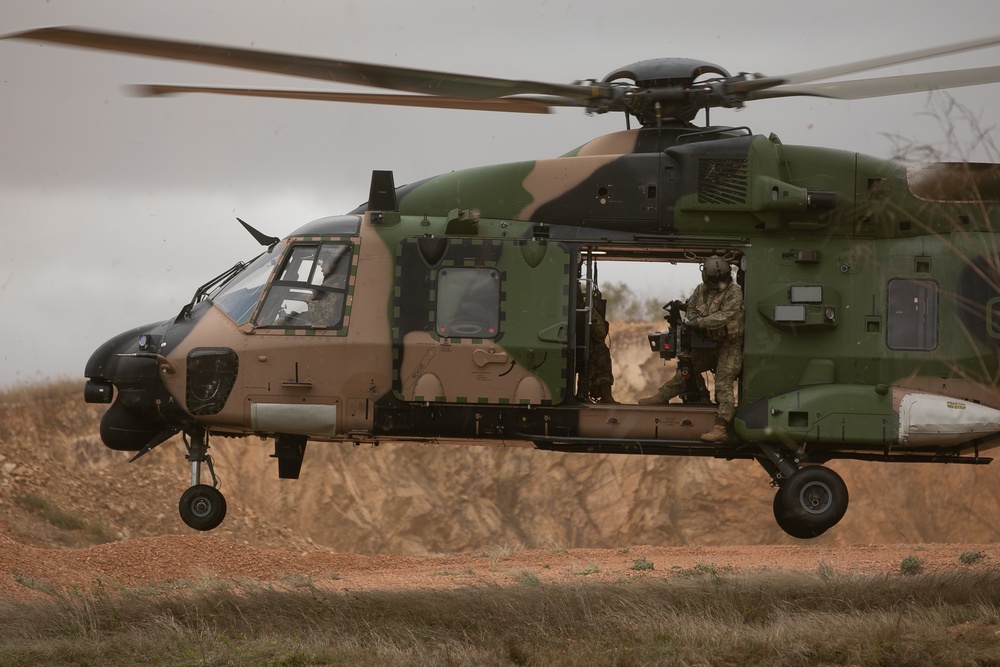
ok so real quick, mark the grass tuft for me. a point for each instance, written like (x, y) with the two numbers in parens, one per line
(971, 557)
(641, 564)
(50, 512)
(911, 565)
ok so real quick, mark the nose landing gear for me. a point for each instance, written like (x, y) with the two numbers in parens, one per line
(202, 507)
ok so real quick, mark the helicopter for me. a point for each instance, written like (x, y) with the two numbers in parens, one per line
(458, 309)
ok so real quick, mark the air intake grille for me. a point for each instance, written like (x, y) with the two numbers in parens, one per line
(722, 182)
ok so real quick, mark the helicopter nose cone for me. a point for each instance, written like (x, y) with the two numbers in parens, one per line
(935, 420)
(127, 360)
(131, 363)
(102, 367)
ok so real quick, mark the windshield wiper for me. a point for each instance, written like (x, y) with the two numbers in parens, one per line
(203, 291)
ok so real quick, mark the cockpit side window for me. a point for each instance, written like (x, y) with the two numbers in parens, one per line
(311, 288)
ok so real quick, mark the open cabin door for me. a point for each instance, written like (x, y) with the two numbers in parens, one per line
(481, 321)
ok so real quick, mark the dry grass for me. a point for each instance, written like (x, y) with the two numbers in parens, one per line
(765, 618)
(41, 390)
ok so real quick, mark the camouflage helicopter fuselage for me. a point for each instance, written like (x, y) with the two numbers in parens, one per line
(460, 308)
(871, 291)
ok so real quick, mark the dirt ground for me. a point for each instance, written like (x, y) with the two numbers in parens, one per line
(75, 516)
(190, 562)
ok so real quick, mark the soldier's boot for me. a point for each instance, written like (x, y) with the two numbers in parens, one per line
(720, 433)
(605, 396)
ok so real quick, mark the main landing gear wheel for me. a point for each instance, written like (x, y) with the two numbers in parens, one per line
(788, 525)
(203, 507)
(810, 502)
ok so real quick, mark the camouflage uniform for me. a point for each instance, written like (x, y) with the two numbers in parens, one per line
(720, 316)
(326, 309)
(599, 374)
(327, 306)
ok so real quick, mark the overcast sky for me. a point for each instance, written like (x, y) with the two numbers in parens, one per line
(114, 209)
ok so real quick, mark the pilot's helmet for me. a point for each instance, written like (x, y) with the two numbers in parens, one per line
(716, 273)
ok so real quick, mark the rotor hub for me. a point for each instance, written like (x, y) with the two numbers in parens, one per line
(664, 89)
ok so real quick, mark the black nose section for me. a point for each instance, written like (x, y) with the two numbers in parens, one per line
(98, 391)
(116, 361)
(131, 363)
(127, 431)
(134, 364)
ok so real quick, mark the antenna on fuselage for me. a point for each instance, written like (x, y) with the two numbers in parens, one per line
(259, 236)
(382, 193)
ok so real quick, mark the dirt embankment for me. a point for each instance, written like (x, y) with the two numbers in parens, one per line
(73, 511)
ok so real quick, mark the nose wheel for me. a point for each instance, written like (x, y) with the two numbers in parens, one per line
(202, 507)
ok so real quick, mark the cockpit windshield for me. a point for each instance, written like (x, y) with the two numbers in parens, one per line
(239, 296)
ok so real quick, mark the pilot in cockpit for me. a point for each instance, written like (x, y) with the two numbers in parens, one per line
(327, 305)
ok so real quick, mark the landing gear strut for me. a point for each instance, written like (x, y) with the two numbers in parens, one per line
(202, 507)
(809, 500)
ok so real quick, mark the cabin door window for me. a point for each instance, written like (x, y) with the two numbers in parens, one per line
(468, 304)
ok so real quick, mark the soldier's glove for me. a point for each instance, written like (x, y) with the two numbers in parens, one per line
(673, 311)
(694, 322)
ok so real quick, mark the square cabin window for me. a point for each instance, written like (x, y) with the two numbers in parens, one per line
(913, 315)
(468, 303)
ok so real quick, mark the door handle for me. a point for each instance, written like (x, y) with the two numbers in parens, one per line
(482, 357)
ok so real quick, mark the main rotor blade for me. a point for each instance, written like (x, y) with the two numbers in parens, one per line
(445, 84)
(886, 61)
(880, 87)
(431, 101)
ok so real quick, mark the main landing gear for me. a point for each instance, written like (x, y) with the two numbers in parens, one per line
(202, 507)
(809, 500)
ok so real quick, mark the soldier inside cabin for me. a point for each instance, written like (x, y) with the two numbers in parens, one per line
(715, 308)
(600, 377)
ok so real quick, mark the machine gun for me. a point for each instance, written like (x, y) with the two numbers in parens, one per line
(677, 342)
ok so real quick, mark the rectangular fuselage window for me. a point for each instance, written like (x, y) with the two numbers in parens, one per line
(468, 303)
(913, 315)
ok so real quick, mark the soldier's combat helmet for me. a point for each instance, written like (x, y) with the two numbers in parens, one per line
(716, 273)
